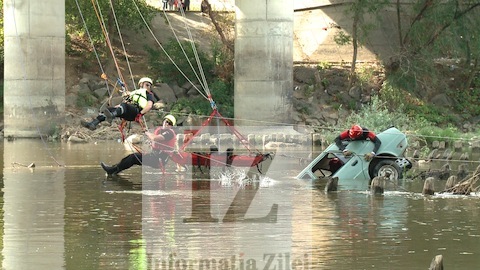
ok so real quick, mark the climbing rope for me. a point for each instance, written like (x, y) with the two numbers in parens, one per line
(167, 54)
(123, 46)
(107, 38)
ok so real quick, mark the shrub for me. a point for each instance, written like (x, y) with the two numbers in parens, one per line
(222, 94)
(179, 64)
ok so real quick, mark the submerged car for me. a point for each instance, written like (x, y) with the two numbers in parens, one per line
(355, 172)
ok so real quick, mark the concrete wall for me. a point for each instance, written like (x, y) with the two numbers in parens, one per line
(263, 60)
(317, 25)
(34, 88)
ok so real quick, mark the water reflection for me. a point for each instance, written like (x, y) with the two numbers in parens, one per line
(73, 217)
(206, 223)
(33, 211)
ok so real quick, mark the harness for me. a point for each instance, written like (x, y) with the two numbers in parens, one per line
(139, 97)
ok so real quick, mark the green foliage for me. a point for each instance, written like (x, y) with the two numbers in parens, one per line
(365, 74)
(325, 82)
(126, 13)
(168, 67)
(223, 60)
(393, 96)
(468, 99)
(305, 109)
(85, 100)
(309, 90)
(223, 96)
(376, 116)
(434, 133)
(440, 31)
(324, 65)
(435, 115)
(404, 101)
(342, 38)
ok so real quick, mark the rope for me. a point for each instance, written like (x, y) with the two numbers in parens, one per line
(201, 80)
(123, 45)
(107, 39)
(120, 80)
(194, 48)
(93, 46)
(166, 53)
(202, 83)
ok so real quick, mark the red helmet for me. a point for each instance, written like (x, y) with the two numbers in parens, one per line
(355, 132)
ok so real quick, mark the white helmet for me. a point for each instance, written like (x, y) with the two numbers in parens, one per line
(144, 79)
(170, 118)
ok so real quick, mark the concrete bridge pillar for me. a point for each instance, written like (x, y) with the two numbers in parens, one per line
(34, 85)
(263, 61)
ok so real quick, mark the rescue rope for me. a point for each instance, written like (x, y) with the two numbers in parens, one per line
(120, 79)
(107, 39)
(202, 82)
(166, 53)
(94, 51)
(195, 52)
(123, 45)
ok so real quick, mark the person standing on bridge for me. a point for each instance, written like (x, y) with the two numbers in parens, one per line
(355, 133)
(165, 5)
(136, 104)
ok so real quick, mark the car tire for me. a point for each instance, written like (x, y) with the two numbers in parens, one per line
(388, 166)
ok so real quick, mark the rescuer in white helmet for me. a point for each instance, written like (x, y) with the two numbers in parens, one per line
(137, 103)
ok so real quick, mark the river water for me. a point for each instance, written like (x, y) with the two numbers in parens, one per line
(73, 217)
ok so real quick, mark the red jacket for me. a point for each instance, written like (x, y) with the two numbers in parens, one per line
(170, 139)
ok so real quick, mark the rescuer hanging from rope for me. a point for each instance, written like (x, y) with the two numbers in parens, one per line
(136, 104)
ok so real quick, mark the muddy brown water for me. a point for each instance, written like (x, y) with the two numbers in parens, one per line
(73, 217)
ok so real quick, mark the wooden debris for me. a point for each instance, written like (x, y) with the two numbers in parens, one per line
(451, 181)
(332, 184)
(31, 165)
(78, 137)
(441, 174)
(75, 139)
(377, 186)
(462, 171)
(466, 186)
(428, 187)
(437, 263)
(445, 172)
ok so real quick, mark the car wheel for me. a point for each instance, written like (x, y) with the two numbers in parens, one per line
(388, 167)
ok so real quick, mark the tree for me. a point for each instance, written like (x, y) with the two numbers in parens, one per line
(223, 51)
(441, 40)
(361, 28)
(105, 15)
(223, 26)
(434, 19)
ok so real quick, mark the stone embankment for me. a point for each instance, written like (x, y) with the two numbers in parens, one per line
(91, 92)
